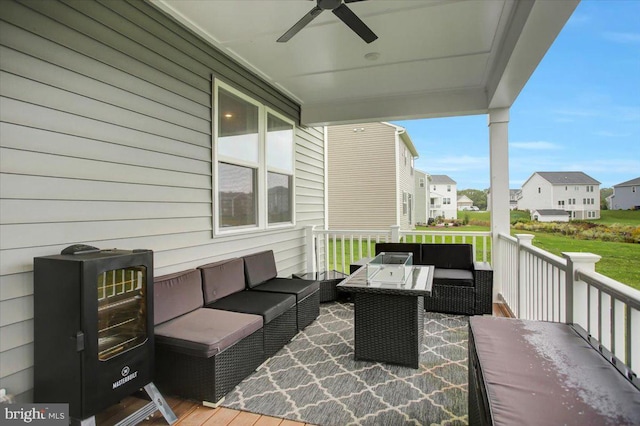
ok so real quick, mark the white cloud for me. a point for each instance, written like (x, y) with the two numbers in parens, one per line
(538, 145)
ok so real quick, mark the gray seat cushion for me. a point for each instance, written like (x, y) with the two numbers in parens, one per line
(545, 373)
(301, 288)
(176, 294)
(259, 267)
(459, 277)
(268, 305)
(206, 332)
(221, 279)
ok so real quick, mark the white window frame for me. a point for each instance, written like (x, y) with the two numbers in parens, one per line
(262, 222)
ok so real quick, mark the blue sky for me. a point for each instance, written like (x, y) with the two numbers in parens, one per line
(580, 110)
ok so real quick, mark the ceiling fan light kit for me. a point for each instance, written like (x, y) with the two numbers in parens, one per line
(342, 11)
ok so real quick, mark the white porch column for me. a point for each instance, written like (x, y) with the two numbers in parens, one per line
(499, 184)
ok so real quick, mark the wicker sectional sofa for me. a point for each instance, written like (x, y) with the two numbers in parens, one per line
(460, 285)
(212, 329)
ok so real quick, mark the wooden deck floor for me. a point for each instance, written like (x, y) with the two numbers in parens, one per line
(192, 413)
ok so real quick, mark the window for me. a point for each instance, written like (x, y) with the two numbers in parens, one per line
(404, 202)
(448, 188)
(633, 189)
(253, 163)
(539, 190)
(561, 203)
(434, 187)
(421, 182)
(446, 201)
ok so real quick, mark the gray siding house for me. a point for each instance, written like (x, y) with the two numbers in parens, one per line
(626, 195)
(107, 121)
(370, 176)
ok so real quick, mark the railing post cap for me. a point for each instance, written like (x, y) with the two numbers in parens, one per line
(579, 257)
(525, 238)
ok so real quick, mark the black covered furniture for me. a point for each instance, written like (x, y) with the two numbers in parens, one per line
(542, 373)
(224, 288)
(261, 276)
(460, 285)
(201, 353)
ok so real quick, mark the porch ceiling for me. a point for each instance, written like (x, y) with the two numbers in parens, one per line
(436, 57)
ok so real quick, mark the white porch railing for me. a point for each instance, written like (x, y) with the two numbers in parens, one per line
(535, 284)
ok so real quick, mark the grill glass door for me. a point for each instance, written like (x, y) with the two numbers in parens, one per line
(122, 322)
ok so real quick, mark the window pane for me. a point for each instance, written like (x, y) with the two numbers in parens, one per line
(237, 127)
(279, 144)
(236, 195)
(279, 198)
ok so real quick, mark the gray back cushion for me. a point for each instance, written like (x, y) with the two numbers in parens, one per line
(259, 267)
(449, 256)
(176, 294)
(222, 278)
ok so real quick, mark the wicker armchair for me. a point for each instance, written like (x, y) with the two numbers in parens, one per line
(460, 285)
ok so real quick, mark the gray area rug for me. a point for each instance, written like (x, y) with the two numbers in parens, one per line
(314, 379)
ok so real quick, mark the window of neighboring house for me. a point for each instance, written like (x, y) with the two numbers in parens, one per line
(421, 182)
(561, 203)
(446, 201)
(539, 190)
(576, 188)
(404, 202)
(448, 188)
(566, 188)
(253, 163)
(633, 189)
(569, 201)
(434, 187)
(584, 201)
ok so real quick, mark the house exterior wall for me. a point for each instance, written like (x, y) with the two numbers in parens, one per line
(422, 197)
(406, 181)
(363, 180)
(578, 199)
(105, 130)
(625, 197)
(439, 193)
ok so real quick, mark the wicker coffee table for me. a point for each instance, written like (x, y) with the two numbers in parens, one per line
(389, 316)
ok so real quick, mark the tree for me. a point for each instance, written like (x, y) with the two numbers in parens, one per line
(478, 197)
(604, 193)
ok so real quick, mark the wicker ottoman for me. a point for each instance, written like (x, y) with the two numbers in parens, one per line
(328, 281)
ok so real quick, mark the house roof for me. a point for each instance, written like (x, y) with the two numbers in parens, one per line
(464, 199)
(551, 212)
(432, 58)
(404, 135)
(442, 179)
(567, 178)
(631, 182)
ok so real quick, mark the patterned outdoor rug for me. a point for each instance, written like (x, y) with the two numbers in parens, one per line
(314, 379)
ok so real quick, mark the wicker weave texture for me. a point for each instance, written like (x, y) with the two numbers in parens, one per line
(451, 299)
(308, 309)
(484, 291)
(208, 379)
(388, 328)
(280, 331)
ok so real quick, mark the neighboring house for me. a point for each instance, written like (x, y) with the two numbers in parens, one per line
(443, 197)
(573, 192)
(626, 195)
(421, 205)
(514, 196)
(550, 215)
(370, 175)
(464, 202)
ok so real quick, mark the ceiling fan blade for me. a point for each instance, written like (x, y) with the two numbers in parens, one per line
(300, 24)
(352, 1)
(347, 16)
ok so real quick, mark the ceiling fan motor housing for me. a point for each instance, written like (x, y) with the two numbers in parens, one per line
(329, 4)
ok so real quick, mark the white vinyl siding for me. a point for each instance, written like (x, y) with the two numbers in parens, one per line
(105, 132)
